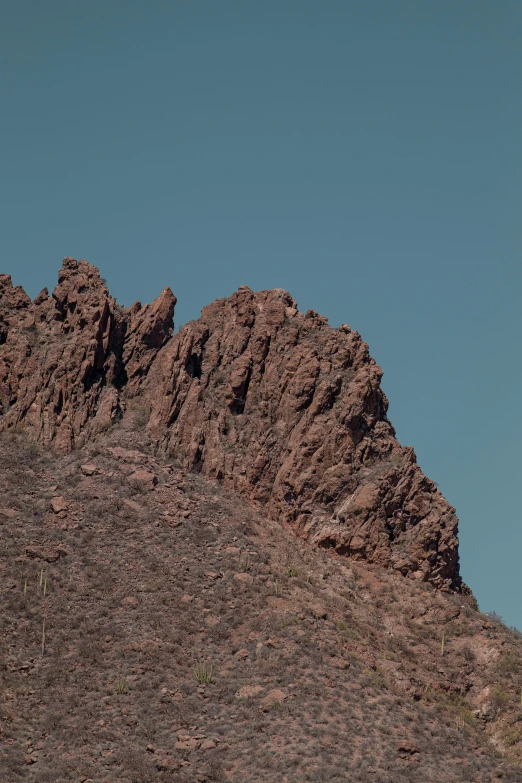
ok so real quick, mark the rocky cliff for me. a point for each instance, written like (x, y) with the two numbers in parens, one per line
(272, 402)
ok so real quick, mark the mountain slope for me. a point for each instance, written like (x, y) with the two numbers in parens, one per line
(321, 669)
(218, 563)
(277, 405)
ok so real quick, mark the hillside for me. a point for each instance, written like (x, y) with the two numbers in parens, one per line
(218, 563)
(275, 404)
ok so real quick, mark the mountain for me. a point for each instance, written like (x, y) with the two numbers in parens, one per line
(219, 563)
(276, 405)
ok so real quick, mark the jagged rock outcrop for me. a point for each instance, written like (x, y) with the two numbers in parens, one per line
(288, 411)
(274, 403)
(149, 328)
(65, 358)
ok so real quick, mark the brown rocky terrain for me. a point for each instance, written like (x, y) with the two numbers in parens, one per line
(217, 562)
(275, 404)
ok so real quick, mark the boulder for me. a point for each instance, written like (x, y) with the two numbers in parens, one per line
(143, 480)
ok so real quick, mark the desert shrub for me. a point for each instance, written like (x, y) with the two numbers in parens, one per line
(512, 736)
(373, 679)
(216, 773)
(499, 697)
(468, 654)
(508, 662)
(203, 672)
(121, 686)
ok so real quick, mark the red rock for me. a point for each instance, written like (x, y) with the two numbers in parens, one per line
(50, 554)
(167, 763)
(89, 470)
(316, 448)
(272, 402)
(132, 505)
(64, 358)
(244, 578)
(189, 744)
(249, 691)
(273, 698)
(59, 505)
(143, 479)
(128, 455)
(9, 513)
(150, 326)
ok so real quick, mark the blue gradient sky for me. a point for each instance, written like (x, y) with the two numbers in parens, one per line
(364, 155)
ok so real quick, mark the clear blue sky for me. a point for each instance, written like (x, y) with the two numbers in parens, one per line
(364, 155)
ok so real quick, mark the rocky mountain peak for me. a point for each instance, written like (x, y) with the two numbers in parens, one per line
(273, 403)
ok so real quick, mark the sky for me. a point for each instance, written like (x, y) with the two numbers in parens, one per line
(364, 155)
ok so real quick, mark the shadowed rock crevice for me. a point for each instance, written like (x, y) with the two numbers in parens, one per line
(273, 403)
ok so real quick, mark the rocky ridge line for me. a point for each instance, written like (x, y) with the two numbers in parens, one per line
(274, 403)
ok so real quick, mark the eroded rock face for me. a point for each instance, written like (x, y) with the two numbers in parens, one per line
(289, 412)
(65, 358)
(272, 402)
(149, 328)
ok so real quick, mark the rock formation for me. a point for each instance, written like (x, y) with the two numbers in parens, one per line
(65, 358)
(272, 402)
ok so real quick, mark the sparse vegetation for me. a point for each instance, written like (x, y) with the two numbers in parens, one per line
(512, 736)
(147, 641)
(509, 662)
(122, 686)
(499, 697)
(203, 673)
